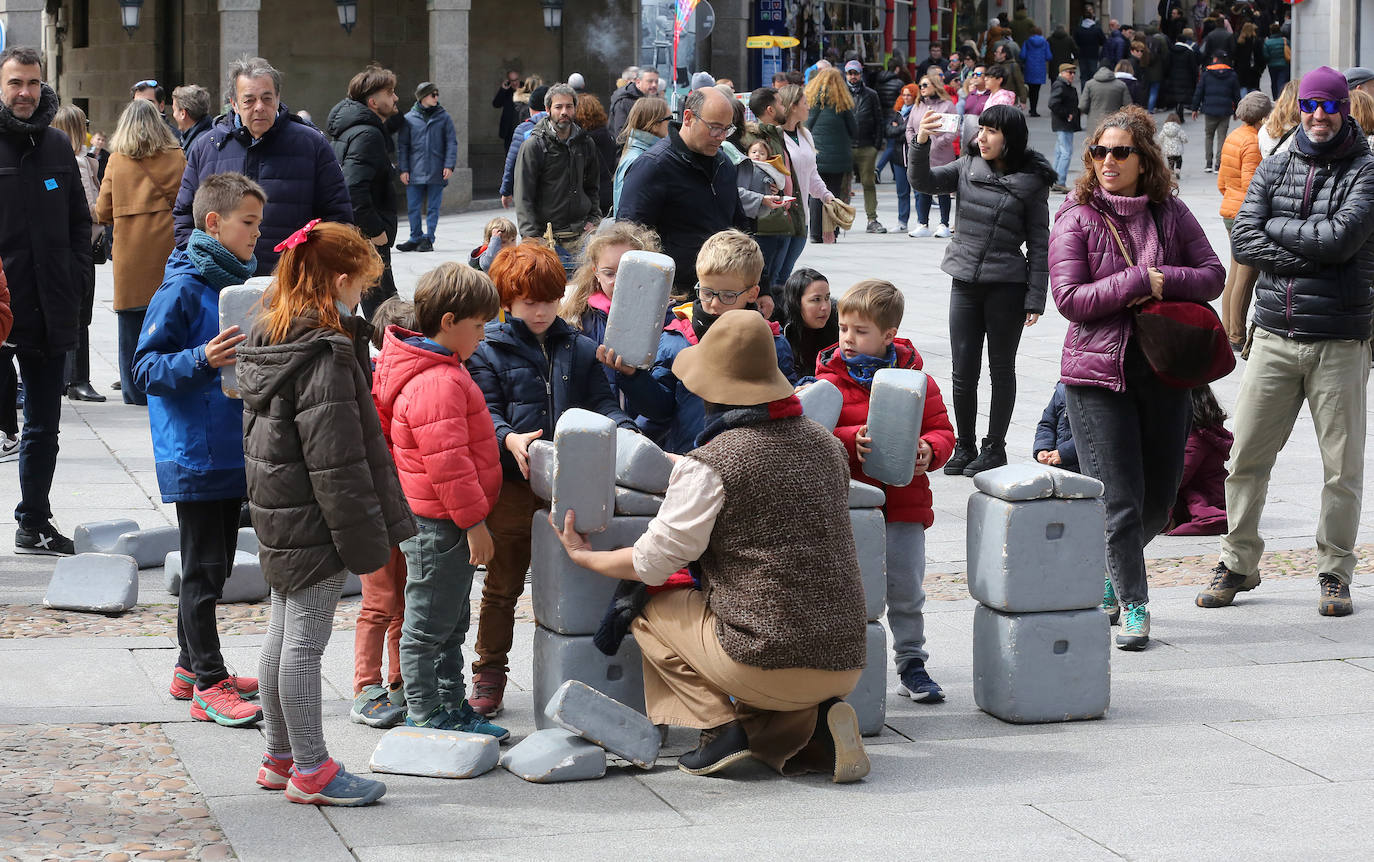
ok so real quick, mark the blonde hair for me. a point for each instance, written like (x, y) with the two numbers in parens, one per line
(828, 90)
(71, 121)
(1362, 109)
(142, 132)
(1285, 114)
(584, 280)
(731, 252)
(875, 300)
(506, 225)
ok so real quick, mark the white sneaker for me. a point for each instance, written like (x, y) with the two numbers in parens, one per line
(920, 231)
(9, 447)
(943, 232)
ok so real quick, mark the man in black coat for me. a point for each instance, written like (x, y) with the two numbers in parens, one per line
(869, 137)
(1065, 120)
(622, 100)
(558, 178)
(684, 186)
(365, 153)
(505, 100)
(1090, 39)
(45, 245)
(1180, 74)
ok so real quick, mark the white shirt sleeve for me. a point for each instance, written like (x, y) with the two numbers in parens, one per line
(682, 529)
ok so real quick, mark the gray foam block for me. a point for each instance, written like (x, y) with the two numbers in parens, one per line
(631, 502)
(100, 536)
(435, 753)
(171, 572)
(353, 585)
(634, 325)
(639, 464)
(239, 305)
(869, 697)
(245, 583)
(1075, 486)
(870, 540)
(896, 407)
(1036, 555)
(559, 658)
(1031, 668)
(605, 721)
(542, 458)
(566, 598)
(99, 583)
(1016, 482)
(247, 540)
(865, 496)
(821, 403)
(555, 755)
(149, 547)
(584, 469)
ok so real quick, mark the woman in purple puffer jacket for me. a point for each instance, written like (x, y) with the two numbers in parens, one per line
(1130, 427)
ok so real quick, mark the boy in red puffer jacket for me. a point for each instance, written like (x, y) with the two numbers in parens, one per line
(444, 444)
(869, 314)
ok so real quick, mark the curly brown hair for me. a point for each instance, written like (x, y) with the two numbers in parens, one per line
(590, 114)
(1156, 179)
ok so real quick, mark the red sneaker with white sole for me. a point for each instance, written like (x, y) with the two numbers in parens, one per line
(275, 772)
(184, 684)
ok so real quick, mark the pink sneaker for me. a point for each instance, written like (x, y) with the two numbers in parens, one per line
(331, 784)
(184, 684)
(275, 772)
(222, 704)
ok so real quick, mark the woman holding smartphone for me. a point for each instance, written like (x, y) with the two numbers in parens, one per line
(932, 99)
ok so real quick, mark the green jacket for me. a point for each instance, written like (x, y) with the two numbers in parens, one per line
(833, 131)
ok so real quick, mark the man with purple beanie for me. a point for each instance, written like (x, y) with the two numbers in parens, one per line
(1307, 225)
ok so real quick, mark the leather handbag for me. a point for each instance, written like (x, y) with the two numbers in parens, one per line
(1183, 341)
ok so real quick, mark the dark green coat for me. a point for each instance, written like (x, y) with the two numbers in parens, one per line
(833, 131)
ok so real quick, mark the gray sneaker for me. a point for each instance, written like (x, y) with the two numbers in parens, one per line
(373, 707)
(1135, 628)
(876, 226)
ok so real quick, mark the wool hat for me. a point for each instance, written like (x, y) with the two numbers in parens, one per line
(1325, 82)
(735, 362)
(577, 82)
(1357, 75)
(853, 66)
(425, 89)
(702, 80)
(537, 97)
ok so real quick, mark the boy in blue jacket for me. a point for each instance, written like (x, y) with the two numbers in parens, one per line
(198, 431)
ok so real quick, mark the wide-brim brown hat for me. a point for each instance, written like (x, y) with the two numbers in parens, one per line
(735, 363)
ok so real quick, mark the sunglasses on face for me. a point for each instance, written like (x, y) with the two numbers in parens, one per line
(1121, 154)
(1331, 106)
(977, 74)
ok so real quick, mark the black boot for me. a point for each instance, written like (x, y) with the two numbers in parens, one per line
(83, 392)
(963, 455)
(79, 385)
(992, 455)
(719, 747)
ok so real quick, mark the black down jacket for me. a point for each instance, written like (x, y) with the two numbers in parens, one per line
(1307, 225)
(1180, 76)
(1218, 91)
(557, 182)
(366, 155)
(870, 120)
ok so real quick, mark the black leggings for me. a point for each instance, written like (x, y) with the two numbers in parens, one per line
(1034, 97)
(994, 312)
(839, 188)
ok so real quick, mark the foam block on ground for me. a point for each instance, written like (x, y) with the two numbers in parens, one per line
(870, 540)
(1036, 555)
(149, 547)
(247, 540)
(99, 583)
(895, 410)
(171, 572)
(1030, 668)
(353, 585)
(559, 658)
(865, 496)
(610, 724)
(584, 469)
(566, 598)
(821, 403)
(642, 287)
(1069, 485)
(631, 502)
(869, 697)
(1016, 482)
(100, 536)
(435, 753)
(245, 583)
(639, 464)
(239, 305)
(554, 755)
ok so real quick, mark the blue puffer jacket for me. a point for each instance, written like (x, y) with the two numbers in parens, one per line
(292, 162)
(197, 429)
(1053, 431)
(528, 385)
(427, 144)
(1035, 58)
(522, 131)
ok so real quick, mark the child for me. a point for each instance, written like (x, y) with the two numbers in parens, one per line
(1171, 140)
(322, 489)
(498, 232)
(1053, 436)
(1200, 509)
(531, 367)
(197, 431)
(445, 446)
(762, 179)
(870, 313)
(728, 269)
(809, 320)
(379, 619)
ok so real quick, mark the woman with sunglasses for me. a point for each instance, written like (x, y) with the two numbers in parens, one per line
(932, 100)
(1003, 190)
(1122, 238)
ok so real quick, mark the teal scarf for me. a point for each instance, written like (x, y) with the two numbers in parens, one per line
(220, 266)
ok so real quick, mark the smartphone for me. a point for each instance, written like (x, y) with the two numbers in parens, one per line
(787, 199)
(949, 123)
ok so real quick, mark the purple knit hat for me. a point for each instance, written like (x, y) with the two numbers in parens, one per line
(1325, 82)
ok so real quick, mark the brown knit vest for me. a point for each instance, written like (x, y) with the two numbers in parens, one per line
(780, 572)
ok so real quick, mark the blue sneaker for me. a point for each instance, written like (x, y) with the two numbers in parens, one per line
(373, 707)
(1110, 603)
(917, 684)
(331, 784)
(467, 719)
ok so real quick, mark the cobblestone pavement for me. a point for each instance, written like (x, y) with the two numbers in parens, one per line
(114, 793)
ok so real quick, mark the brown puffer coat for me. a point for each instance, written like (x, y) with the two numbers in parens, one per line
(139, 205)
(322, 488)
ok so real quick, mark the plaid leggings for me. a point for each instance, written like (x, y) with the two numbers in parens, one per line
(289, 671)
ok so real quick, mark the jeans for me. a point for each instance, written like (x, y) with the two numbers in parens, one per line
(130, 327)
(209, 535)
(437, 612)
(1133, 441)
(42, 376)
(1063, 155)
(9, 393)
(780, 254)
(923, 209)
(885, 158)
(1154, 95)
(1215, 133)
(864, 159)
(906, 594)
(1278, 79)
(994, 313)
(903, 196)
(416, 195)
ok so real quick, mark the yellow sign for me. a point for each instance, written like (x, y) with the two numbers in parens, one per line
(772, 42)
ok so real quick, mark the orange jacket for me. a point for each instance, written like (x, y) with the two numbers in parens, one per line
(1240, 155)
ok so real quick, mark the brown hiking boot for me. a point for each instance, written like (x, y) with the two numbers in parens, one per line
(1224, 586)
(1335, 597)
(488, 690)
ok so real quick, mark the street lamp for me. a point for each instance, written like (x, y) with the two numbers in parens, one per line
(348, 14)
(553, 13)
(129, 12)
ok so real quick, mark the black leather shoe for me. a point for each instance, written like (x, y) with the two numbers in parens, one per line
(719, 747)
(83, 392)
(408, 245)
(425, 245)
(993, 455)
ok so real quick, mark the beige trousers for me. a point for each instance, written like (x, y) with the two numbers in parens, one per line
(689, 681)
(1236, 295)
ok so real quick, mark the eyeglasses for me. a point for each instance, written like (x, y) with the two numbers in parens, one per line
(663, 120)
(148, 83)
(1331, 106)
(706, 294)
(718, 131)
(1121, 154)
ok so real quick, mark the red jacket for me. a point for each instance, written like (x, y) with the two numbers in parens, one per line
(441, 435)
(908, 504)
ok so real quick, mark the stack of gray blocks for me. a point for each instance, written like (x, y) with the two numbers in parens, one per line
(869, 697)
(1036, 557)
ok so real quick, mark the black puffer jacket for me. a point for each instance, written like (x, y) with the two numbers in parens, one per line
(888, 86)
(870, 121)
(557, 182)
(366, 155)
(1180, 76)
(1218, 91)
(322, 488)
(997, 216)
(1307, 225)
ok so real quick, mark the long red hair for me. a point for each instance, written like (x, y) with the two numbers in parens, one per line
(303, 282)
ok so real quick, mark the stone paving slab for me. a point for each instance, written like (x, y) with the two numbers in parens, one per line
(264, 827)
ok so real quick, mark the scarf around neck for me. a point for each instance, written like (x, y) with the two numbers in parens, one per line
(1139, 223)
(721, 418)
(1323, 149)
(220, 266)
(863, 367)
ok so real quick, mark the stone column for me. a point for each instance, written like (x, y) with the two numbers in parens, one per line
(238, 30)
(23, 20)
(448, 67)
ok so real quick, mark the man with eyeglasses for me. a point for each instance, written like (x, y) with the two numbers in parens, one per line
(868, 139)
(684, 186)
(1307, 225)
(558, 179)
